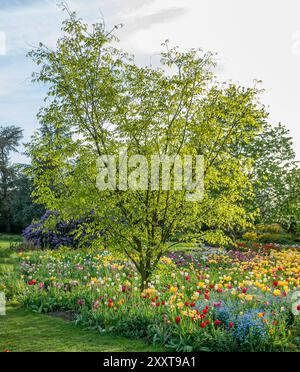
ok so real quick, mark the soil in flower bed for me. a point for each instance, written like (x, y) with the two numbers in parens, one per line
(68, 316)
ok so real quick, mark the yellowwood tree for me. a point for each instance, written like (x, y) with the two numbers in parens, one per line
(100, 103)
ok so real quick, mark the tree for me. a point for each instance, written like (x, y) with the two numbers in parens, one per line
(105, 102)
(10, 137)
(273, 175)
(22, 208)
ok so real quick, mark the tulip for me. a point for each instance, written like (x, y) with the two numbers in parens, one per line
(177, 319)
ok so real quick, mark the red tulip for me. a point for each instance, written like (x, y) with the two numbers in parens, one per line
(203, 325)
(177, 319)
(217, 322)
(230, 325)
(244, 290)
(298, 307)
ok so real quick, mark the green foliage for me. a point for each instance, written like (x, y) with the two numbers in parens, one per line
(22, 208)
(275, 176)
(16, 206)
(99, 101)
(9, 140)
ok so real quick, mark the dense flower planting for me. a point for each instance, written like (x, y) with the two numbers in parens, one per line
(233, 301)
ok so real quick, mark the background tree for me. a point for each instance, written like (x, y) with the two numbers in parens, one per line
(104, 101)
(22, 208)
(10, 137)
(273, 176)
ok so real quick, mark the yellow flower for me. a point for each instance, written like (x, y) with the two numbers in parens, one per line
(180, 305)
(173, 289)
(201, 284)
(249, 297)
(276, 292)
(94, 280)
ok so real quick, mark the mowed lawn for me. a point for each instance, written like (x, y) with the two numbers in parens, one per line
(6, 240)
(24, 330)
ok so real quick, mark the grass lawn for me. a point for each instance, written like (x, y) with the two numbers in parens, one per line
(6, 240)
(23, 330)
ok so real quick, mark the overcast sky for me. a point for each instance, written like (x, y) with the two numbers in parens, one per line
(254, 39)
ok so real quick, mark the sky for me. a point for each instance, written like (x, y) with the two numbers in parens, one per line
(254, 39)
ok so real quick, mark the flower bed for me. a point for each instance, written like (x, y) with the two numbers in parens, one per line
(238, 301)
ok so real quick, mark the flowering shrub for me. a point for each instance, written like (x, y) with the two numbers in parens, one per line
(50, 232)
(226, 302)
